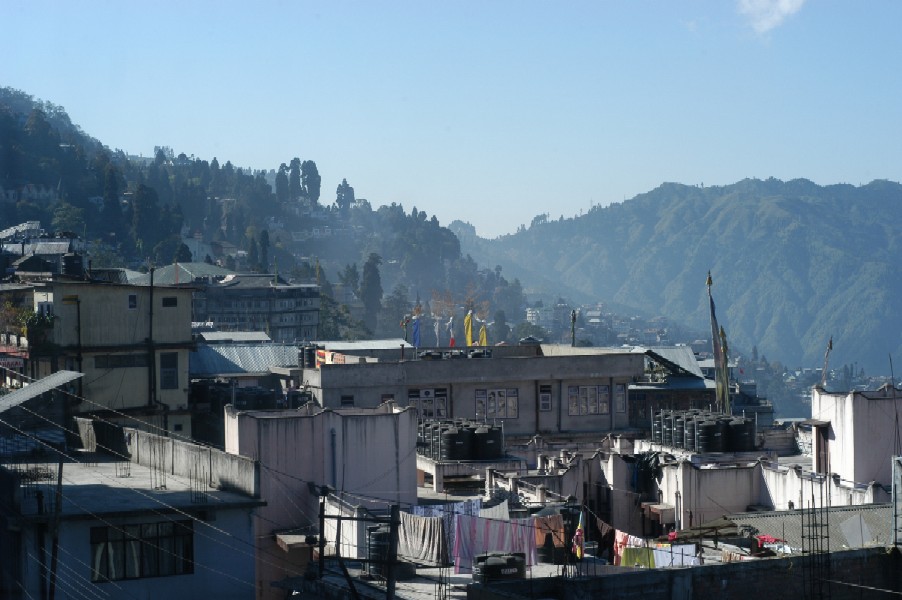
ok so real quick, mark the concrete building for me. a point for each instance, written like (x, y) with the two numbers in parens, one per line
(563, 390)
(131, 342)
(164, 519)
(856, 433)
(849, 464)
(366, 455)
(246, 302)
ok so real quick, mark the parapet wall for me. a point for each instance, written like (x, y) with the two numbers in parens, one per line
(852, 574)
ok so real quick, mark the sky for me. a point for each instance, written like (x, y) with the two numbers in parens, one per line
(490, 111)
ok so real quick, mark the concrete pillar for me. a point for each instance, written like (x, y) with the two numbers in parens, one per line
(438, 480)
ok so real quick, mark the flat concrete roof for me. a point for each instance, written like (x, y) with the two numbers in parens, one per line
(98, 485)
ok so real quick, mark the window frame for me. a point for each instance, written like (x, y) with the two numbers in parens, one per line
(169, 374)
(141, 550)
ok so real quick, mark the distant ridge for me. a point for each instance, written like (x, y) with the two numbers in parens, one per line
(793, 263)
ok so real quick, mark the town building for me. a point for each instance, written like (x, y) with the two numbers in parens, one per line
(132, 515)
(131, 342)
(366, 455)
(246, 301)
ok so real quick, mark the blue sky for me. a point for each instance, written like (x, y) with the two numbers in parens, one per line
(490, 112)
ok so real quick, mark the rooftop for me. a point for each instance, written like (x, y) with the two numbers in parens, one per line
(95, 484)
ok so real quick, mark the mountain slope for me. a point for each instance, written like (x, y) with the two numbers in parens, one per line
(793, 263)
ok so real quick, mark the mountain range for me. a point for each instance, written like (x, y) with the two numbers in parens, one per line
(793, 263)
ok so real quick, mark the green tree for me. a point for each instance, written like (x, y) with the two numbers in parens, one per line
(282, 194)
(112, 208)
(501, 331)
(264, 250)
(310, 180)
(68, 218)
(253, 256)
(394, 308)
(146, 217)
(371, 290)
(350, 278)
(294, 180)
(344, 196)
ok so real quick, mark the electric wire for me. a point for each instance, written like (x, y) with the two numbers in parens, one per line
(157, 501)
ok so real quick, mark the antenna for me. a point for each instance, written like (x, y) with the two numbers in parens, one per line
(826, 362)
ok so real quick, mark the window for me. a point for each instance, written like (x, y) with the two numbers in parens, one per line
(347, 400)
(169, 370)
(431, 403)
(499, 403)
(132, 301)
(146, 550)
(620, 397)
(588, 400)
(170, 301)
(544, 398)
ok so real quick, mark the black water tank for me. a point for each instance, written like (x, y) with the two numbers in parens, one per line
(499, 567)
(667, 429)
(487, 443)
(704, 436)
(657, 436)
(689, 432)
(678, 430)
(378, 541)
(742, 435)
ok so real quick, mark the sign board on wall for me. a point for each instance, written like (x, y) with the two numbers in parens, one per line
(12, 362)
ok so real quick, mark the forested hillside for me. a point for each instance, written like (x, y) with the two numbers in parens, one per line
(793, 263)
(138, 212)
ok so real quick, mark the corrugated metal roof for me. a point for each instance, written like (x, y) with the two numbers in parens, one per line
(849, 526)
(187, 273)
(37, 388)
(679, 358)
(220, 359)
(234, 336)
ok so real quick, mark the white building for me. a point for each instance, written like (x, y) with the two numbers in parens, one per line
(170, 520)
(369, 454)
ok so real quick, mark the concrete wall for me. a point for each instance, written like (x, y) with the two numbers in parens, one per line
(370, 454)
(782, 485)
(865, 572)
(862, 433)
(223, 555)
(219, 469)
(617, 475)
(709, 493)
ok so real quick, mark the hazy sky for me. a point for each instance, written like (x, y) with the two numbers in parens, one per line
(486, 111)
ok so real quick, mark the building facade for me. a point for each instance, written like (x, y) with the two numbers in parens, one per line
(131, 342)
(368, 453)
(569, 392)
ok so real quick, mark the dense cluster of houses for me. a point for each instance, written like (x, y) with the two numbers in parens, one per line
(168, 435)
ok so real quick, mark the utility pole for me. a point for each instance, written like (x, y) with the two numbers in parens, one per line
(392, 558)
(54, 552)
(573, 328)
